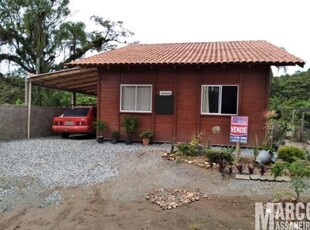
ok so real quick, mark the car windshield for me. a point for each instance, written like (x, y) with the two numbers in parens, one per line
(76, 112)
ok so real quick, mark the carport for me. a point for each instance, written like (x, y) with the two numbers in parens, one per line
(76, 80)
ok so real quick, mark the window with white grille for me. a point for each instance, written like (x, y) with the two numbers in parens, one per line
(136, 98)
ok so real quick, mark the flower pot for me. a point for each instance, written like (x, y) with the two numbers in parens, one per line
(114, 140)
(100, 139)
(146, 141)
(129, 141)
(265, 157)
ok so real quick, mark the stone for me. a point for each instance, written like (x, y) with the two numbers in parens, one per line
(283, 178)
(172, 198)
(201, 165)
(254, 177)
(269, 178)
(242, 177)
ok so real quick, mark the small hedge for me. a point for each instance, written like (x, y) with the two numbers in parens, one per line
(215, 155)
(290, 153)
(186, 149)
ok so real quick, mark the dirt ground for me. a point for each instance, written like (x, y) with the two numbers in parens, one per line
(94, 207)
(121, 204)
(91, 208)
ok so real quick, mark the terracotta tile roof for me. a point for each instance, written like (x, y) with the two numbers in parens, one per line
(194, 53)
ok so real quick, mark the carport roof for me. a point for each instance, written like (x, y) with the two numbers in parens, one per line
(81, 80)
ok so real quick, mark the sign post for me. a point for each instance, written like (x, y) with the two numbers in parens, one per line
(239, 131)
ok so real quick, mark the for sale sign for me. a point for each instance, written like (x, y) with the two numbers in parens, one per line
(239, 129)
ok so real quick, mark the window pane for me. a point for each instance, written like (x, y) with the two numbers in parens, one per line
(229, 99)
(213, 102)
(205, 108)
(128, 98)
(144, 98)
(76, 112)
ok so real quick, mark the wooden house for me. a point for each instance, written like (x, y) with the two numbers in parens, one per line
(180, 89)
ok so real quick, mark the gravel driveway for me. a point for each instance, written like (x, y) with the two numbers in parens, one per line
(32, 171)
(65, 162)
(29, 167)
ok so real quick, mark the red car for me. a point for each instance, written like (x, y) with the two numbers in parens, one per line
(76, 120)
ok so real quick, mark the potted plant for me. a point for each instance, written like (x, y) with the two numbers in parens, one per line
(146, 136)
(100, 126)
(115, 137)
(130, 124)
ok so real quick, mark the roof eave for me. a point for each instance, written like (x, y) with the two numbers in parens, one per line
(300, 64)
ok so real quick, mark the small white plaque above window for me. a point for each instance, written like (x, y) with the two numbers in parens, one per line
(165, 93)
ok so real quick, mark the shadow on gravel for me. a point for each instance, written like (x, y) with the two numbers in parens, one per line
(81, 137)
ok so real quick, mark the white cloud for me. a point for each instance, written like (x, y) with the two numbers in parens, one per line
(281, 22)
(284, 23)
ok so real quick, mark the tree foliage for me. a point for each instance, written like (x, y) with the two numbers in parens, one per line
(27, 32)
(288, 94)
(290, 91)
(38, 38)
(298, 170)
(12, 89)
(34, 34)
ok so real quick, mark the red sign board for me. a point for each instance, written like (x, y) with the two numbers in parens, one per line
(239, 129)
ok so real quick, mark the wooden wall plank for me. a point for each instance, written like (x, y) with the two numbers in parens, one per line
(185, 84)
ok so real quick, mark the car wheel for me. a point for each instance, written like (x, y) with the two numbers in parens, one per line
(65, 135)
(93, 134)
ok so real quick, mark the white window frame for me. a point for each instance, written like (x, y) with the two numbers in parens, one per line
(136, 86)
(220, 100)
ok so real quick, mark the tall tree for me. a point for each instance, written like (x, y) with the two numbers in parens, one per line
(35, 33)
(27, 30)
(72, 36)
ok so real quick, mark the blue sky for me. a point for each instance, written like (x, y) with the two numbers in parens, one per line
(282, 22)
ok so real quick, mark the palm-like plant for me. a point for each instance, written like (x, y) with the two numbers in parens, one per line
(130, 124)
(100, 126)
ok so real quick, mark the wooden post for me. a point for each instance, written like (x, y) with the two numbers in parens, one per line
(301, 131)
(29, 110)
(73, 99)
(238, 151)
(292, 123)
(26, 91)
(175, 116)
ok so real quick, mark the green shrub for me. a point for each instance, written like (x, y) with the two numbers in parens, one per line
(186, 149)
(298, 170)
(268, 148)
(291, 153)
(146, 134)
(115, 134)
(307, 155)
(215, 155)
(101, 126)
(130, 124)
(191, 148)
(229, 149)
